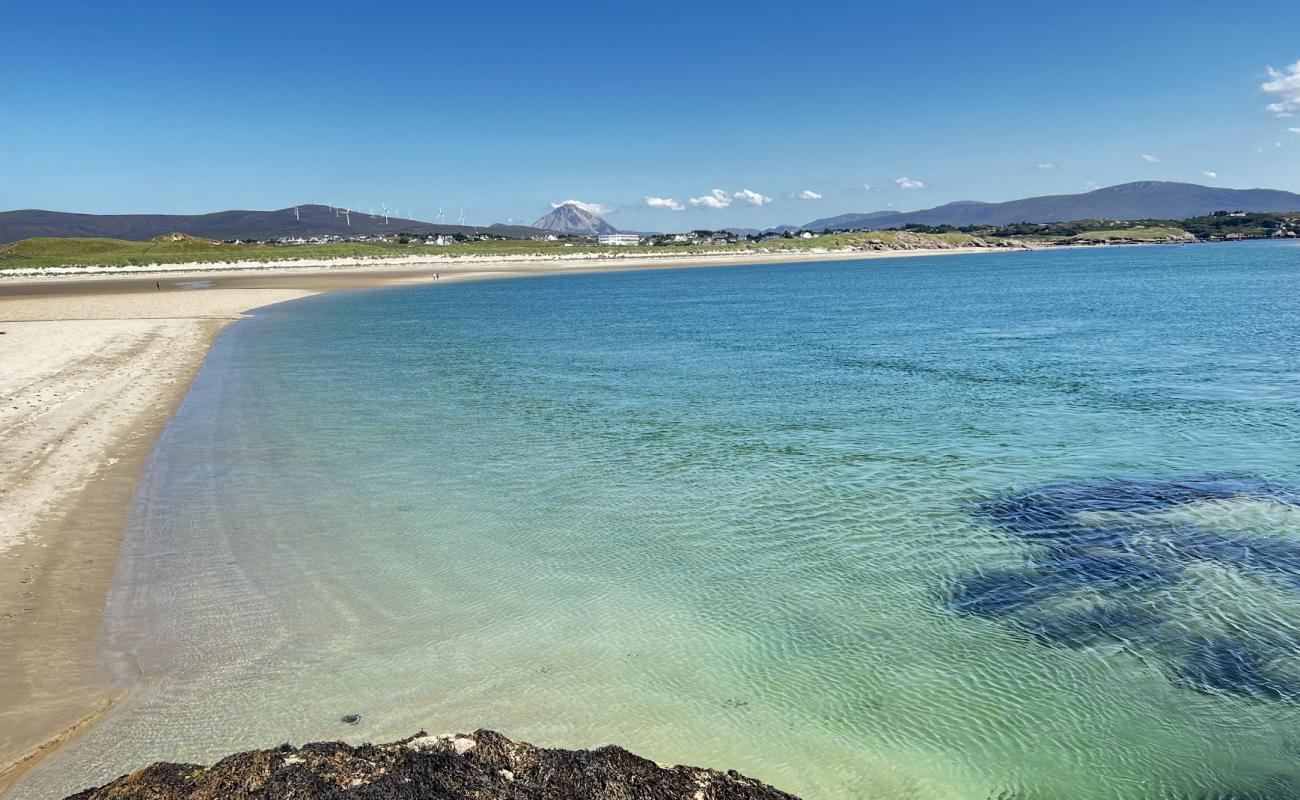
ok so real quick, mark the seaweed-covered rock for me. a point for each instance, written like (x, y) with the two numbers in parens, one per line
(483, 765)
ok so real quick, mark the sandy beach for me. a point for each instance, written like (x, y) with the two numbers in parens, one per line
(87, 381)
(91, 368)
(482, 265)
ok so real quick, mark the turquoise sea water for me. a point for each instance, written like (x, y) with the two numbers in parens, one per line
(739, 517)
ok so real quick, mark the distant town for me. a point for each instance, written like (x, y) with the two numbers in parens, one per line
(1219, 226)
(700, 237)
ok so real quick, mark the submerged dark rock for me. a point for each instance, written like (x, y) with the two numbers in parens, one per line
(483, 765)
(1091, 627)
(1000, 593)
(1228, 665)
(1101, 564)
(1053, 510)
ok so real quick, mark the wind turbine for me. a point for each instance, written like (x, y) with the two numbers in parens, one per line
(439, 215)
(295, 214)
(462, 217)
(385, 207)
(347, 214)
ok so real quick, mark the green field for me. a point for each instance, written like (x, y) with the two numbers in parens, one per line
(60, 252)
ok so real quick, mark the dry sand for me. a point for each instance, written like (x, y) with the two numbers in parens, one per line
(485, 265)
(91, 368)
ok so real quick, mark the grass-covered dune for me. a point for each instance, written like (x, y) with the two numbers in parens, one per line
(57, 252)
(1152, 234)
(890, 240)
(47, 252)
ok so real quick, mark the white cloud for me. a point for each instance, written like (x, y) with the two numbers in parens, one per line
(1294, 130)
(908, 183)
(1209, 173)
(590, 208)
(664, 202)
(1090, 185)
(1283, 87)
(809, 194)
(752, 197)
(868, 187)
(1151, 158)
(714, 199)
(1046, 165)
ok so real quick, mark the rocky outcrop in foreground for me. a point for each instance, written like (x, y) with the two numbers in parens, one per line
(483, 765)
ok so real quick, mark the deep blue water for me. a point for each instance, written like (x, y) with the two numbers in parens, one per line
(1015, 524)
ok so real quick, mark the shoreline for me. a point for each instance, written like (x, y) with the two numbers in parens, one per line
(480, 265)
(77, 429)
(85, 424)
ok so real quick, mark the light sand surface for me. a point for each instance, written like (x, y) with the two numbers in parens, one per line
(78, 372)
(475, 266)
(432, 260)
(86, 383)
(92, 366)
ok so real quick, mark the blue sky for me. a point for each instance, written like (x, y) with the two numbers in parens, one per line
(505, 108)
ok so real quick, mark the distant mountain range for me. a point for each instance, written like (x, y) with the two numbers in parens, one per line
(574, 220)
(1140, 200)
(305, 221)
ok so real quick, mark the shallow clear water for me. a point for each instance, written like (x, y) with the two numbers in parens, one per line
(733, 517)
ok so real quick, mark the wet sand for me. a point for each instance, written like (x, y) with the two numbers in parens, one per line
(87, 380)
(91, 369)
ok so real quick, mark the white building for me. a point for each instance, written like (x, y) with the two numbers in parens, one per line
(618, 238)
